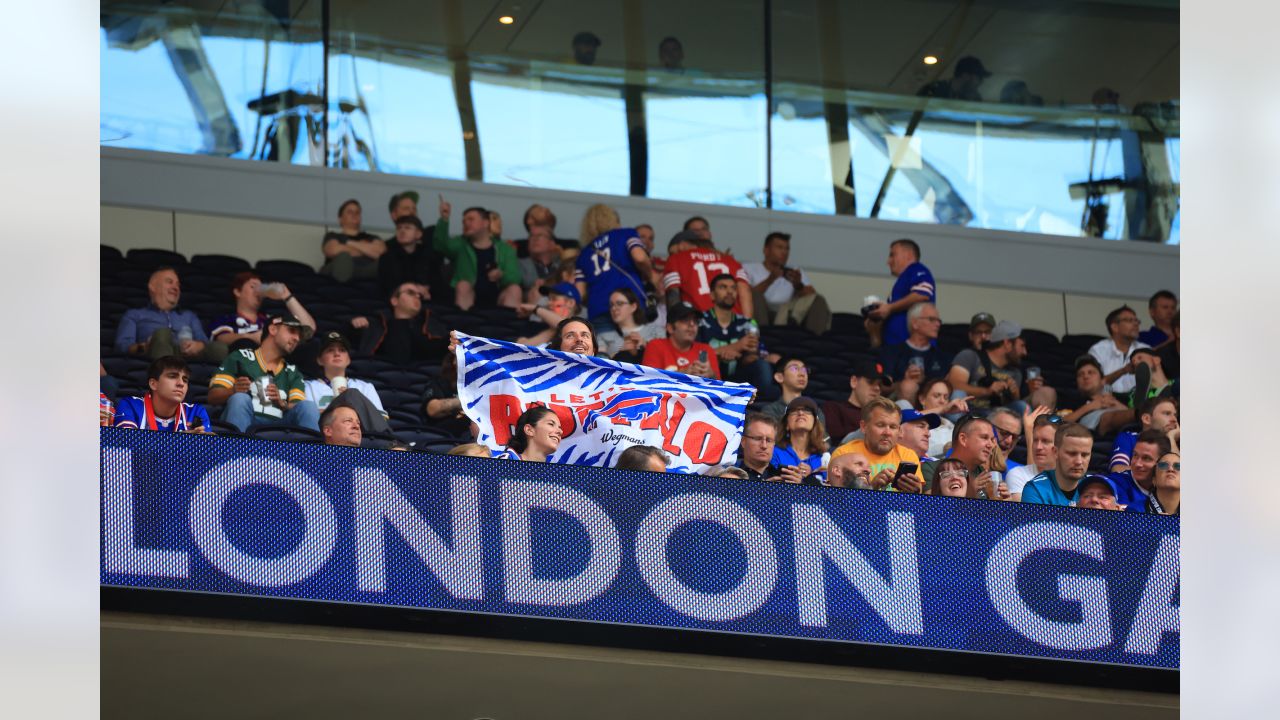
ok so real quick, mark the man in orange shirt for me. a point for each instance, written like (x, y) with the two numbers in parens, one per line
(881, 423)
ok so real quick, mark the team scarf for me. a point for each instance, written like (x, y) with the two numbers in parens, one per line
(149, 416)
(604, 406)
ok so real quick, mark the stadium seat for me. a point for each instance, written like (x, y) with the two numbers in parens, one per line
(106, 254)
(222, 427)
(151, 258)
(224, 265)
(291, 433)
(282, 270)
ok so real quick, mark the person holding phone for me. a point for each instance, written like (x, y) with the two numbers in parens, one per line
(680, 351)
(802, 442)
(893, 467)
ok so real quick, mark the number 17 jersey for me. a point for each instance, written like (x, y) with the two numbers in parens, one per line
(605, 265)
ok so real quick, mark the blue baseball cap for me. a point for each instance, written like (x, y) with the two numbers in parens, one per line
(566, 289)
(1096, 478)
(912, 415)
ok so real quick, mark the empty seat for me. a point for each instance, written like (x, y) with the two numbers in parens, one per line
(283, 269)
(109, 254)
(219, 264)
(149, 259)
(291, 433)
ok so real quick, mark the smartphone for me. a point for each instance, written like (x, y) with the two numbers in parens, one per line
(905, 468)
(1033, 373)
(702, 356)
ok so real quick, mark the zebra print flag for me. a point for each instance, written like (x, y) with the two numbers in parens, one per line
(604, 406)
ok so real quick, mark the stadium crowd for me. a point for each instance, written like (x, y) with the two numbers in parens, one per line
(886, 399)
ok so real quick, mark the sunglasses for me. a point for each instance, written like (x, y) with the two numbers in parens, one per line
(1166, 465)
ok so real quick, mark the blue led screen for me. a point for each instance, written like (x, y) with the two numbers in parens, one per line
(250, 517)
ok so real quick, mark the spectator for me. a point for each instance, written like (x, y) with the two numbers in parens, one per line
(563, 302)
(759, 433)
(918, 357)
(1150, 379)
(441, 407)
(242, 329)
(1133, 484)
(1170, 352)
(612, 258)
(642, 457)
(727, 471)
(972, 443)
(1166, 494)
(1159, 414)
(536, 436)
(916, 427)
(802, 442)
(408, 259)
(886, 323)
(1016, 92)
(680, 350)
(991, 376)
(935, 398)
(485, 269)
(259, 387)
(1162, 307)
(334, 358)
(980, 327)
(540, 263)
(1114, 355)
(783, 295)
(402, 204)
(408, 334)
(575, 335)
(585, 45)
(645, 232)
(470, 450)
(1074, 446)
(966, 78)
(161, 328)
(163, 407)
(689, 270)
(851, 470)
(540, 217)
(1102, 412)
(1097, 492)
(792, 375)
(881, 421)
(671, 54)
(844, 417)
(1043, 454)
(628, 333)
(699, 226)
(1008, 430)
(350, 253)
(106, 410)
(735, 338)
(950, 479)
(340, 425)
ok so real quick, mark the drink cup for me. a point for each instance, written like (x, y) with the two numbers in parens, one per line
(338, 384)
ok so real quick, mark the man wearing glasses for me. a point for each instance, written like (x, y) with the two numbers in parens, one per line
(916, 358)
(1115, 354)
(792, 375)
(407, 335)
(759, 433)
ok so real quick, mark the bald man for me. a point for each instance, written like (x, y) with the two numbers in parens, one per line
(851, 470)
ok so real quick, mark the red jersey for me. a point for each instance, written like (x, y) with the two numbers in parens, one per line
(662, 354)
(693, 270)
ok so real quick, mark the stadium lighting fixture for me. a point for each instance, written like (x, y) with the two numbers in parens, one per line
(930, 60)
(506, 19)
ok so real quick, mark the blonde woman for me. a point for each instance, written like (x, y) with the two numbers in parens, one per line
(612, 258)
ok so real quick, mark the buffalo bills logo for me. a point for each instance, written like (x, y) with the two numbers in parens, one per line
(629, 406)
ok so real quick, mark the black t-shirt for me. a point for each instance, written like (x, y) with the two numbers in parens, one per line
(405, 343)
(397, 266)
(895, 358)
(1169, 360)
(769, 472)
(441, 389)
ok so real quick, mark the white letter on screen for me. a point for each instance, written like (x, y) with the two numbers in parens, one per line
(896, 600)
(605, 553)
(319, 533)
(1094, 630)
(379, 502)
(119, 553)
(1156, 613)
(762, 558)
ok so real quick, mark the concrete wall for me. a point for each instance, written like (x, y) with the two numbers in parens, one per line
(267, 210)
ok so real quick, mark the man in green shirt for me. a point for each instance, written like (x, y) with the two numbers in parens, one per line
(259, 388)
(485, 269)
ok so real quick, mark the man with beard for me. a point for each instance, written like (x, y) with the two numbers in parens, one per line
(680, 350)
(881, 422)
(259, 388)
(991, 376)
(851, 470)
(735, 338)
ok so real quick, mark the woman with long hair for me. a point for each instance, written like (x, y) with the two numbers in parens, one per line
(950, 478)
(935, 397)
(536, 437)
(802, 442)
(1166, 486)
(630, 332)
(613, 257)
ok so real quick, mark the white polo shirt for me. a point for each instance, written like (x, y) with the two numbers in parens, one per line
(1111, 360)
